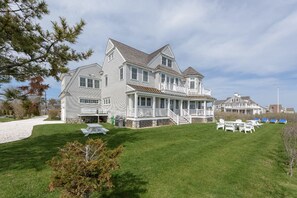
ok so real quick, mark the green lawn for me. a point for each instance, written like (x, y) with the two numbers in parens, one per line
(174, 161)
(6, 119)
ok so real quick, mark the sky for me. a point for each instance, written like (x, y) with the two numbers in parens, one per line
(246, 47)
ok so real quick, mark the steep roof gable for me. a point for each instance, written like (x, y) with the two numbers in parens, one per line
(136, 56)
(75, 73)
(190, 71)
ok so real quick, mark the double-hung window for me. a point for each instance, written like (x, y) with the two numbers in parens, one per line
(82, 82)
(134, 73)
(192, 83)
(97, 84)
(90, 83)
(144, 76)
(169, 63)
(162, 78)
(164, 60)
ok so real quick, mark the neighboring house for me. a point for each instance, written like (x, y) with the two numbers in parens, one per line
(274, 108)
(289, 110)
(239, 104)
(145, 89)
(81, 94)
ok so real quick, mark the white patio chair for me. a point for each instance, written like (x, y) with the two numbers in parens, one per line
(229, 127)
(252, 125)
(221, 124)
(245, 127)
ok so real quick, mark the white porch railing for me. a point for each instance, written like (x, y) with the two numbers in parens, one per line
(182, 89)
(187, 116)
(141, 112)
(161, 112)
(200, 112)
(172, 87)
(164, 112)
(194, 92)
(173, 116)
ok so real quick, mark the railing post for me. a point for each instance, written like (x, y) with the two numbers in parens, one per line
(177, 119)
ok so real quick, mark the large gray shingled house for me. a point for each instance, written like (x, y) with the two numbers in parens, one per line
(146, 89)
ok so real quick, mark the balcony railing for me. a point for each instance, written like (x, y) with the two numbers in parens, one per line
(182, 89)
(173, 87)
(164, 112)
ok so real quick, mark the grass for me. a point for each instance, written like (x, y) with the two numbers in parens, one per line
(175, 161)
(6, 119)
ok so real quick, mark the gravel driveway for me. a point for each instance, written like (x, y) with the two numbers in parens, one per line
(21, 129)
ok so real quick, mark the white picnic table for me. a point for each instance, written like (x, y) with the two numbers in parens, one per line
(93, 129)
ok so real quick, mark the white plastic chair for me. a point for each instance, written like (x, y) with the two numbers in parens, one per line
(245, 127)
(229, 127)
(221, 124)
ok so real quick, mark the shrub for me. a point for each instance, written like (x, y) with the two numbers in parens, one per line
(18, 109)
(290, 142)
(54, 114)
(82, 169)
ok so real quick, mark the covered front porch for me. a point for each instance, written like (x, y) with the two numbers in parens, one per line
(178, 108)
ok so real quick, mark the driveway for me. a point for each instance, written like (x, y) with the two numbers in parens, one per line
(21, 129)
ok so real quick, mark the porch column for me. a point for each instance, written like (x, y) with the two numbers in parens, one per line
(181, 108)
(154, 106)
(130, 105)
(135, 105)
(204, 108)
(188, 106)
(168, 106)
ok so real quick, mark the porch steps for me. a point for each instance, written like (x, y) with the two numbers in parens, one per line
(183, 120)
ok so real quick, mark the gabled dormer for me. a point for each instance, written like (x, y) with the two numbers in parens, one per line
(193, 79)
(163, 57)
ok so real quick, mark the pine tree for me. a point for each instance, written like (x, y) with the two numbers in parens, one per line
(27, 50)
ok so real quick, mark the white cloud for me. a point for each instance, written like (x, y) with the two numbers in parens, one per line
(240, 46)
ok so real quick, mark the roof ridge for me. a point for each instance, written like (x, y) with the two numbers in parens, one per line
(128, 46)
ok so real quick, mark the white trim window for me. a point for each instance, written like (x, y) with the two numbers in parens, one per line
(121, 73)
(110, 56)
(106, 101)
(88, 101)
(90, 83)
(134, 72)
(192, 83)
(166, 61)
(145, 101)
(145, 77)
(163, 78)
(82, 81)
(97, 84)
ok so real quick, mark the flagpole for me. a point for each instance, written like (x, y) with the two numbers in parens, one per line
(278, 100)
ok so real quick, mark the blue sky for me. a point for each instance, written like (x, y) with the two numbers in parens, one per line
(248, 47)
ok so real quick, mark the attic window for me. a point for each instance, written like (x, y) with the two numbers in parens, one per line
(110, 56)
(166, 61)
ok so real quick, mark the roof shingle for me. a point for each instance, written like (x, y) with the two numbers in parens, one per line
(191, 71)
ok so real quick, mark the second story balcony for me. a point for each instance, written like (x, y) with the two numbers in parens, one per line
(174, 88)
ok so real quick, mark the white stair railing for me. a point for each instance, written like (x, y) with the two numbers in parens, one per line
(187, 116)
(173, 116)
